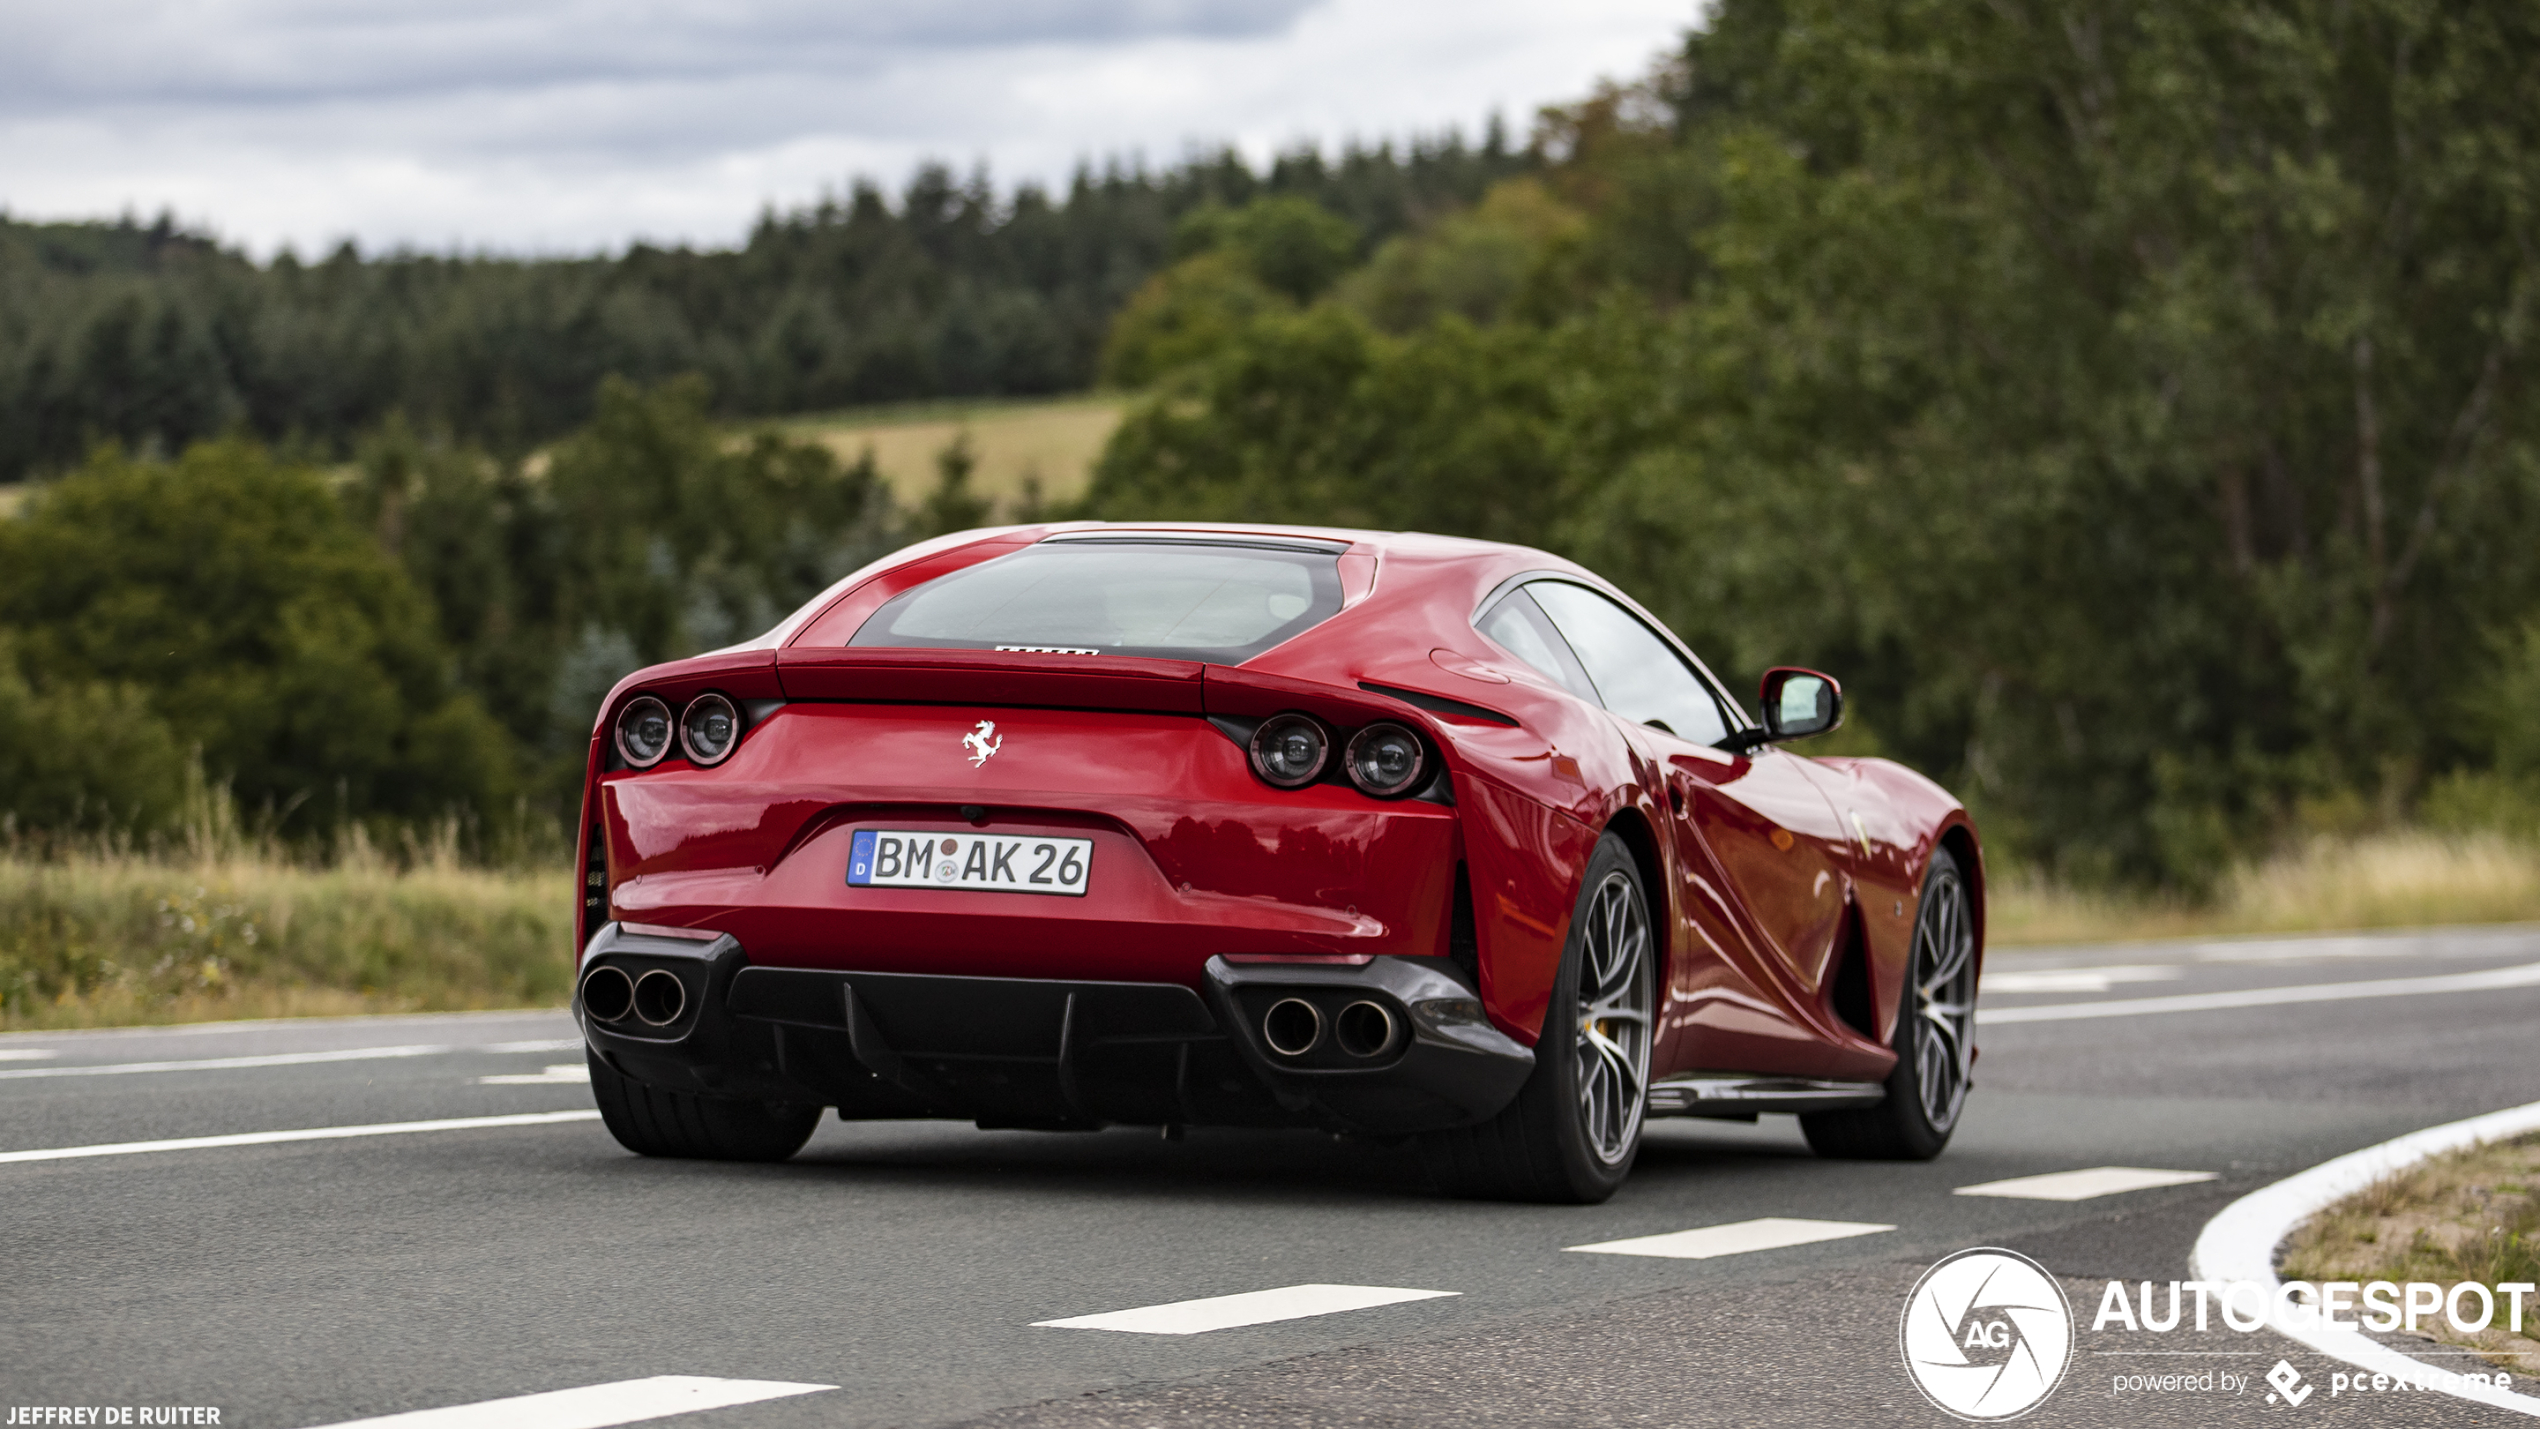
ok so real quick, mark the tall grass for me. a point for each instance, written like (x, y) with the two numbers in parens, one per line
(2397, 879)
(221, 924)
(2473, 1214)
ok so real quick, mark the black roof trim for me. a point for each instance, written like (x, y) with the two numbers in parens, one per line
(1439, 704)
(1312, 545)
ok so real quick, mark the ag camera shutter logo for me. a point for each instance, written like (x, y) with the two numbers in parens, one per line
(1986, 1335)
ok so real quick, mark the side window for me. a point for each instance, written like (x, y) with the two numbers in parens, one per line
(1638, 675)
(1518, 626)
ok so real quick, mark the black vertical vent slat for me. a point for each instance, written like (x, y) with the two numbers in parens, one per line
(595, 887)
(1851, 992)
(1463, 947)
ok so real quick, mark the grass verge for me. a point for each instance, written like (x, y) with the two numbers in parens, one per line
(1052, 444)
(2473, 1215)
(107, 940)
(2393, 880)
(232, 930)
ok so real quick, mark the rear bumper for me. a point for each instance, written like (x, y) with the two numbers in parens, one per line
(1059, 1054)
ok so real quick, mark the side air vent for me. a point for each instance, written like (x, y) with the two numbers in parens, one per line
(1463, 948)
(595, 888)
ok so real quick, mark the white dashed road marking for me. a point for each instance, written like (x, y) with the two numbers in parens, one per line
(1258, 1307)
(27, 1054)
(314, 1133)
(2077, 979)
(2526, 975)
(561, 1074)
(1735, 1238)
(629, 1401)
(2084, 1185)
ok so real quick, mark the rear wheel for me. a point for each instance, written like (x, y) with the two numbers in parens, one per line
(1575, 1127)
(652, 1122)
(1935, 1038)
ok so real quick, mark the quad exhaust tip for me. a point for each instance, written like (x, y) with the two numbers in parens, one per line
(608, 993)
(1292, 1026)
(1364, 1029)
(660, 997)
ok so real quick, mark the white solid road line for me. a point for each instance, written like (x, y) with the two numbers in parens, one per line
(1258, 1307)
(628, 1401)
(2525, 975)
(313, 1133)
(2084, 1185)
(2077, 979)
(270, 1059)
(2239, 1244)
(221, 1064)
(1735, 1238)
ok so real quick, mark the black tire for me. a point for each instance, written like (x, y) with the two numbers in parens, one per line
(1575, 1127)
(1934, 1039)
(652, 1122)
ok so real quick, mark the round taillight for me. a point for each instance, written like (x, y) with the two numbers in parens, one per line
(1289, 750)
(1386, 759)
(643, 731)
(708, 729)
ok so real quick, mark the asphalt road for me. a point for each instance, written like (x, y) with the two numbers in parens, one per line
(312, 1282)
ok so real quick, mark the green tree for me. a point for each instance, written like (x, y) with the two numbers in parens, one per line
(952, 505)
(84, 757)
(2132, 402)
(259, 624)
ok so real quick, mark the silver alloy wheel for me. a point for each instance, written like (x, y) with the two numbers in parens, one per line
(1612, 1054)
(1944, 999)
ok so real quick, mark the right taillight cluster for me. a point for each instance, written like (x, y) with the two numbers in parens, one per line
(707, 731)
(1385, 760)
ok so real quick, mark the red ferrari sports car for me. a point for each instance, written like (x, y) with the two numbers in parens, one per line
(1389, 834)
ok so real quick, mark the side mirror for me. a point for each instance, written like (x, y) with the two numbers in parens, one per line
(1799, 703)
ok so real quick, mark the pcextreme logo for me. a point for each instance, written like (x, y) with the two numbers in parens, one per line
(1986, 1335)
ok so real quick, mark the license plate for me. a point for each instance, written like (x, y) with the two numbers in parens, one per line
(990, 863)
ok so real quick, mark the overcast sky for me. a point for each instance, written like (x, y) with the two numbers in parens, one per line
(571, 125)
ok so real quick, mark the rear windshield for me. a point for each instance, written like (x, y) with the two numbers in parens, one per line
(1182, 600)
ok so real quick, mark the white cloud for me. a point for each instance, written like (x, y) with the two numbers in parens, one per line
(566, 125)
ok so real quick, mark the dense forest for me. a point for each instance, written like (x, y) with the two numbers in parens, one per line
(2131, 403)
(154, 337)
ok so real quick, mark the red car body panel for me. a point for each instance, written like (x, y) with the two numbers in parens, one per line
(1770, 870)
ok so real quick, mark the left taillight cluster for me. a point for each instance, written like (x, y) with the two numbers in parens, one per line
(1384, 759)
(707, 730)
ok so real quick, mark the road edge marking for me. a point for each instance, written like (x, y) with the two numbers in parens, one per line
(224, 1064)
(313, 1133)
(2519, 975)
(2239, 1243)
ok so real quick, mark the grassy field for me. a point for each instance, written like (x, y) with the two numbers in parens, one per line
(1053, 443)
(2395, 880)
(2472, 1215)
(106, 938)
